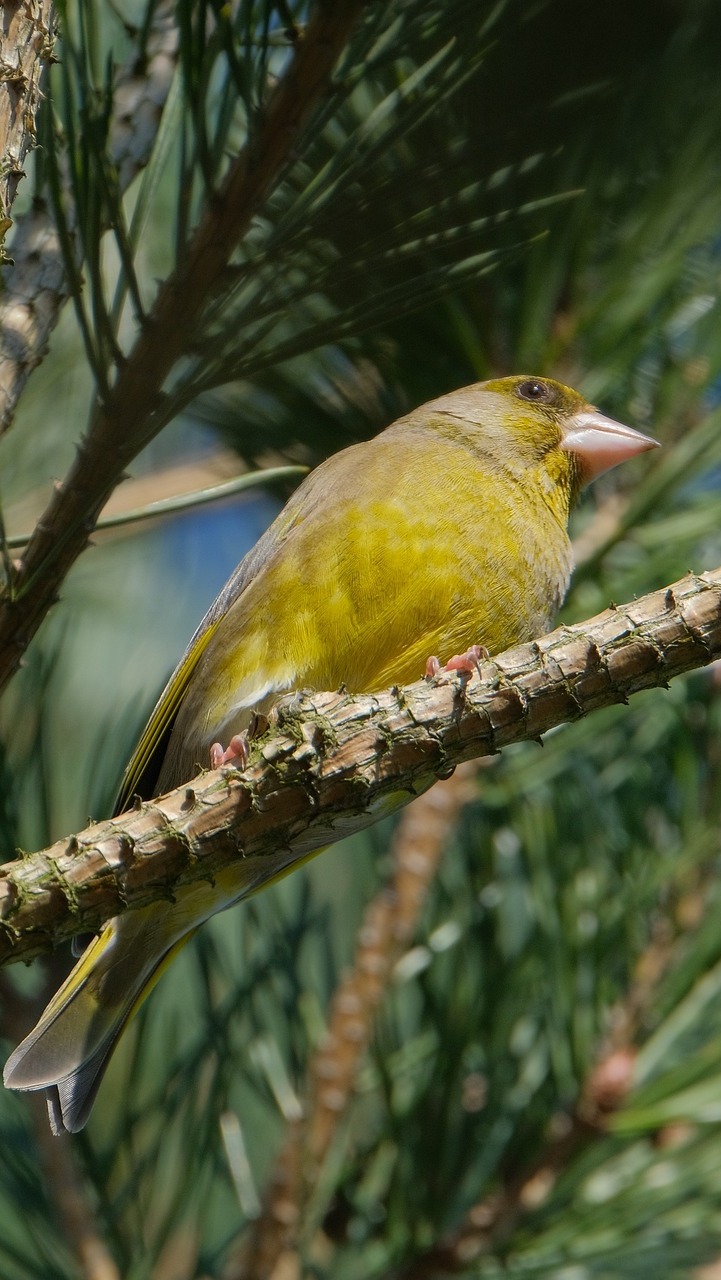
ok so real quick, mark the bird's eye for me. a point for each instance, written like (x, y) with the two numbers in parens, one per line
(534, 389)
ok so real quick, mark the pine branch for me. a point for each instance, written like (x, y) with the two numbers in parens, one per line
(36, 290)
(489, 1224)
(387, 928)
(330, 764)
(26, 45)
(135, 409)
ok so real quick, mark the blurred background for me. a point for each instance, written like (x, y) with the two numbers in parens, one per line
(483, 1038)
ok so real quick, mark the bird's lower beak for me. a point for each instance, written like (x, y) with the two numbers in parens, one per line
(599, 443)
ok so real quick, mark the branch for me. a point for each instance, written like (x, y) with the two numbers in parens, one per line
(36, 290)
(26, 43)
(388, 924)
(331, 764)
(135, 410)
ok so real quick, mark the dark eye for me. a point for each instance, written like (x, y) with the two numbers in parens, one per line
(534, 389)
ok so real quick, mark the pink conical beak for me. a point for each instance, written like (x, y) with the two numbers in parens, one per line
(599, 443)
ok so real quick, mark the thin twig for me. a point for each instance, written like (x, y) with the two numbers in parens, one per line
(163, 507)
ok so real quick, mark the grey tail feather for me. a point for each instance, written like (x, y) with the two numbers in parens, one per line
(70, 1100)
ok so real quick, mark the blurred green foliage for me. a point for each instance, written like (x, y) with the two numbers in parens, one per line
(496, 188)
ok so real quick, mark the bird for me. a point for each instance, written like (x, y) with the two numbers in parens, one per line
(446, 534)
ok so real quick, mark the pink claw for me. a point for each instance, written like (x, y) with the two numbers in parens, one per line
(469, 661)
(466, 663)
(236, 752)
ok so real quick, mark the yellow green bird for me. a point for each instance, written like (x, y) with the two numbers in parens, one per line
(447, 530)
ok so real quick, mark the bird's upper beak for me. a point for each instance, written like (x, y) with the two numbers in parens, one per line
(599, 443)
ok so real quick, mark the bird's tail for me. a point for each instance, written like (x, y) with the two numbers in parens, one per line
(67, 1052)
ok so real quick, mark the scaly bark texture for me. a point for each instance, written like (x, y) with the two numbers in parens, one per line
(35, 287)
(26, 41)
(331, 764)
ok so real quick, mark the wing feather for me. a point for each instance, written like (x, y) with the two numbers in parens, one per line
(144, 765)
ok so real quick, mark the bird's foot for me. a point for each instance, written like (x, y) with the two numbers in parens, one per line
(237, 752)
(466, 663)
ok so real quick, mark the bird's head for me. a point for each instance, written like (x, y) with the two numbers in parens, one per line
(550, 424)
(536, 426)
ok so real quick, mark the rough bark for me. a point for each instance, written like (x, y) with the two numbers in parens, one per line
(331, 764)
(35, 286)
(26, 43)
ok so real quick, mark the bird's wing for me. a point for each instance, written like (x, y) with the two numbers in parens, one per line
(142, 769)
(144, 765)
